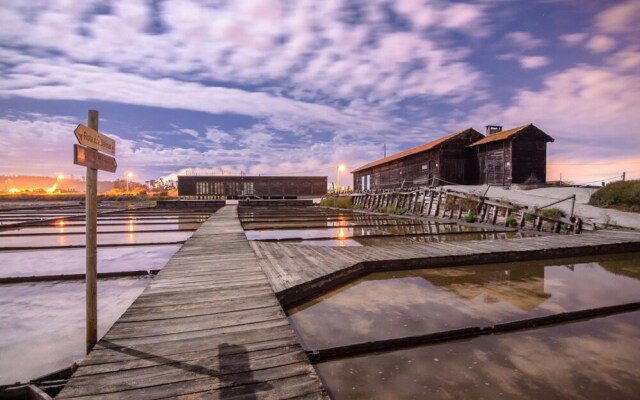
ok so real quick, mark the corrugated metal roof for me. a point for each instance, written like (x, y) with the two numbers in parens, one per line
(507, 134)
(415, 150)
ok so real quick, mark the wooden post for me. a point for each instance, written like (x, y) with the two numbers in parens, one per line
(438, 204)
(495, 215)
(91, 200)
(431, 195)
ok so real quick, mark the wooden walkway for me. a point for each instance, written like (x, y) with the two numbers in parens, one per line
(296, 272)
(208, 326)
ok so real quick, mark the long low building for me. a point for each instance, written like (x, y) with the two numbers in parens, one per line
(265, 187)
(467, 157)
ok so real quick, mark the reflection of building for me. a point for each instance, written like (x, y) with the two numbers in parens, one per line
(266, 187)
(517, 155)
(520, 285)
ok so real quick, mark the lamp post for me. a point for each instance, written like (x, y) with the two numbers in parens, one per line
(341, 168)
(129, 175)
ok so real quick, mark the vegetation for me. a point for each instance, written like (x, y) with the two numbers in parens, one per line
(470, 217)
(552, 213)
(337, 201)
(528, 217)
(511, 221)
(111, 195)
(624, 196)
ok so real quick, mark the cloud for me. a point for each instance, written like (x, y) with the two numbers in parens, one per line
(621, 18)
(600, 44)
(306, 44)
(587, 107)
(573, 39)
(523, 40)
(532, 62)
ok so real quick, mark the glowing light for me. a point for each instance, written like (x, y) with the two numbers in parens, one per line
(341, 168)
(341, 234)
(14, 190)
(60, 177)
(52, 188)
(129, 175)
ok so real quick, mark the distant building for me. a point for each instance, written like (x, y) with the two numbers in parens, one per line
(265, 187)
(466, 157)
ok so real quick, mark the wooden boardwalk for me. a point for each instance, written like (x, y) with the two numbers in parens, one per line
(208, 326)
(296, 272)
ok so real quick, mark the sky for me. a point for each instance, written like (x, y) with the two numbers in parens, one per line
(298, 87)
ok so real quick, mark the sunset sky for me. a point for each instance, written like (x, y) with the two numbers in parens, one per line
(299, 87)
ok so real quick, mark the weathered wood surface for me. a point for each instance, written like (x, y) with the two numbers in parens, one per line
(208, 326)
(290, 267)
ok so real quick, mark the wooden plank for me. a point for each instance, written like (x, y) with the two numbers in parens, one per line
(175, 339)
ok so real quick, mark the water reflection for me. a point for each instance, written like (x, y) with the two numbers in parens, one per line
(131, 228)
(359, 231)
(595, 359)
(43, 324)
(396, 304)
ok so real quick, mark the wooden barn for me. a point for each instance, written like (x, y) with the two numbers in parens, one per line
(265, 187)
(517, 155)
(446, 159)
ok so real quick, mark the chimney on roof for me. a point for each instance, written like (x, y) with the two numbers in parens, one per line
(491, 129)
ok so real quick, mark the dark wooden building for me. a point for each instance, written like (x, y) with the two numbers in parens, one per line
(517, 155)
(448, 159)
(266, 187)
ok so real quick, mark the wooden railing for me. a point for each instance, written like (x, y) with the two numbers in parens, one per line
(445, 203)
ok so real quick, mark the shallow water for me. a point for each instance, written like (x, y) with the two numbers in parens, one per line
(42, 325)
(80, 240)
(349, 232)
(113, 259)
(396, 304)
(80, 228)
(594, 359)
(383, 241)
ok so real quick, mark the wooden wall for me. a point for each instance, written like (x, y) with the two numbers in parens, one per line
(529, 158)
(451, 161)
(494, 162)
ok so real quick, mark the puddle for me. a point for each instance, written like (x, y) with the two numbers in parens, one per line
(595, 359)
(80, 240)
(113, 259)
(68, 227)
(350, 232)
(382, 241)
(396, 304)
(43, 325)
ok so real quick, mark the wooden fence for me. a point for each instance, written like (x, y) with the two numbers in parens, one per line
(444, 203)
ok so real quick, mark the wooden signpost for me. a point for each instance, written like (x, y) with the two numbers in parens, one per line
(92, 159)
(87, 154)
(96, 140)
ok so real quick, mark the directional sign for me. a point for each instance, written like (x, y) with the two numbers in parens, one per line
(92, 159)
(94, 139)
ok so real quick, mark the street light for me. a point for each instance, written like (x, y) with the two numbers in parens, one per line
(341, 168)
(129, 176)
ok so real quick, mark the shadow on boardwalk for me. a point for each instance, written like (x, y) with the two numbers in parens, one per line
(234, 372)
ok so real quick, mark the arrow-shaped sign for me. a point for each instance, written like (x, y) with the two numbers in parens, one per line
(94, 139)
(92, 159)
